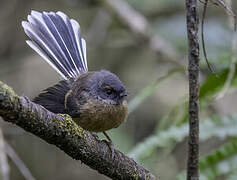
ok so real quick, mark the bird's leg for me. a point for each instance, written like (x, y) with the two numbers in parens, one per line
(109, 143)
(107, 136)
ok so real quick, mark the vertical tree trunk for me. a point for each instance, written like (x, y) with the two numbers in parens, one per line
(193, 68)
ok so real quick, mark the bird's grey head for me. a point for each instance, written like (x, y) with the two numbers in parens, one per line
(108, 87)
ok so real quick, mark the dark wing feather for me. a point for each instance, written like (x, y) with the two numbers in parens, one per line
(53, 97)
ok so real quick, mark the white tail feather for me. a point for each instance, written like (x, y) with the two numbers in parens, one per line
(57, 39)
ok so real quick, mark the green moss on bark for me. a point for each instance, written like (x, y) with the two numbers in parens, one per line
(69, 124)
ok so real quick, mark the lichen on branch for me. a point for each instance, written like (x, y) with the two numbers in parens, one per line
(63, 132)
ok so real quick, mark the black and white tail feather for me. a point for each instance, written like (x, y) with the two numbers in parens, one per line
(57, 39)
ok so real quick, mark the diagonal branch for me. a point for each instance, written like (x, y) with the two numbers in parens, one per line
(61, 131)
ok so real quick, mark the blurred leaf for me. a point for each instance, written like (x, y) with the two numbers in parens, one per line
(162, 139)
(226, 151)
(213, 84)
(221, 161)
(218, 162)
(150, 89)
(221, 127)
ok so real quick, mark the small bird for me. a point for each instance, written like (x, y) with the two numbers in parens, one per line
(96, 100)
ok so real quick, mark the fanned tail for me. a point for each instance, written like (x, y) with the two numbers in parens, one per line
(57, 39)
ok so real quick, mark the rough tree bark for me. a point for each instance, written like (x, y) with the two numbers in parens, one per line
(61, 131)
(193, 68)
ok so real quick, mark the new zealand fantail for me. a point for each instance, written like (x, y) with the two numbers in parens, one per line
(95, 100)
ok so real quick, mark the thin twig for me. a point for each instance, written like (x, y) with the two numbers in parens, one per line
(193, 68)
(18, 162)
(226, 7)
(204, 1)
(203, 39)
(5, 169)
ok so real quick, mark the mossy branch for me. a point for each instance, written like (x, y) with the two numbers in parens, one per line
(61, 131)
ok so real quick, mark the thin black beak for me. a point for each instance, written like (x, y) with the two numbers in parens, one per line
(123, 94)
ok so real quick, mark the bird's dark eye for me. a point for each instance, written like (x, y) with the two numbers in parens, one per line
(109, 91)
